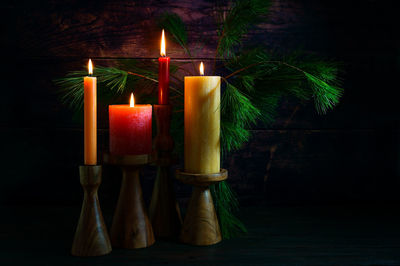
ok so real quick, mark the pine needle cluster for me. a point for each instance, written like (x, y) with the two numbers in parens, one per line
(258, 79)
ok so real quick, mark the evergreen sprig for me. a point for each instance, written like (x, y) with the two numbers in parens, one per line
(257, 80)
(239, 113)
(227, 204)
(236, 22)
(173, 24)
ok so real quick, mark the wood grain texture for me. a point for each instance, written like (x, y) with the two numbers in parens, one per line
(164, 211)
(201, 226)
(131, 227)
(333, 158)
(201, 179)
(91, 237)
(126, 28)
(127, 160)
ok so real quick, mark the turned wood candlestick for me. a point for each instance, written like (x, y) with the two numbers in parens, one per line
(91, 237)
(131, 227)
(164, 210)
(200, 226)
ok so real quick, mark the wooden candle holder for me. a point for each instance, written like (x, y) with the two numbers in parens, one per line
(91, 237)
(164, 211)
(131, 227)
(201, 226)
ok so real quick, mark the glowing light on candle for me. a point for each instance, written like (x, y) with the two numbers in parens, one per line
(132, 101)
(162, 51)
(201, 69)
(90, 67)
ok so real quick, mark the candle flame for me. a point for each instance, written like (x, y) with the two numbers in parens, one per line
(132, 101)
(201, 69)
(90, 67)
(162, 51)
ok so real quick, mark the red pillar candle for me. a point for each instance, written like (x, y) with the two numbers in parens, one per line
(130, 128)
(163, 74)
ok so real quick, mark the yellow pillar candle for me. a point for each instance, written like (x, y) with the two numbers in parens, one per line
(90, 117)
(202, 123)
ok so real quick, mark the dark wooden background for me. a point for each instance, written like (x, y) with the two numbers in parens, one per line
(348, 155)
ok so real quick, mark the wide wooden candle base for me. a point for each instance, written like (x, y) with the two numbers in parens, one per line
(200, 226)
(91, 237)
(164, 211)
(131, 227)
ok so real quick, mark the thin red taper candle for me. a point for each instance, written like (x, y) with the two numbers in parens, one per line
(163, 74)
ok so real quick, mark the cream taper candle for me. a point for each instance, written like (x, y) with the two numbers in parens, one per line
(202, 123)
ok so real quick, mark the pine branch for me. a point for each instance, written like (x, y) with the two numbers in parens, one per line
(241, 70)
(114, 79)
(71, 90)
(242, 15)
(238, 114)
(251, 91)
(323, 84)
(173, 24)
(237, 107)
(227, 205)
(109, 78)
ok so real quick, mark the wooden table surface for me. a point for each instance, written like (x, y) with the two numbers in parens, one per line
(319, 235)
